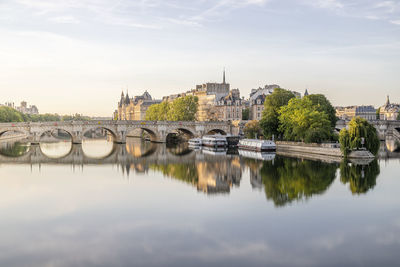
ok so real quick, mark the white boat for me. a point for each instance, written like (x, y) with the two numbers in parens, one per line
(195, 142)
(257, 155)
(257, 145)
(215, 141)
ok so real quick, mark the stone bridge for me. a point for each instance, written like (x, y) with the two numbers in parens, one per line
(158, 130)
(385, 129)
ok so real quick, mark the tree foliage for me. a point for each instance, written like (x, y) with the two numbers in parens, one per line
(245, 114)
(359, 129)
(301, 120)
(181, 109)
(8, 114)
(398, 116)
(252, 129)
(270, 116)
(322, 104)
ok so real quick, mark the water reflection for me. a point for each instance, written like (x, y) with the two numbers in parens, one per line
(288, 179)
(361, 178)
(285, 180)
(14, 149)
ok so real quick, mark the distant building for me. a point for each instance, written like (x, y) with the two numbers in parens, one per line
(24, 108)
(257, 107)
(389, 111)
(347, 113)
(218, 89)
(230, 107)
(267, 90)
(134, 108)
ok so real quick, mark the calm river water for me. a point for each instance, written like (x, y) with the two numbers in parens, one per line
(142, 204)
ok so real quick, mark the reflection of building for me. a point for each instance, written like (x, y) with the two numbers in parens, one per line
(24, 108)
(347, 113)
(134, 108)
(389, 111)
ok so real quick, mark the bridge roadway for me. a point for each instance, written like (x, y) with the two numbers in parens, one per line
(385, 129)
(158, 130)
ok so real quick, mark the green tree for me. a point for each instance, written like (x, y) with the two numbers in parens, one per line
(378, 114)
(301, 120)
(8, 114)
(245, 114)
(252, 129)
(158, 112)
(183, 109)
(398, 116)
(322, 104)
(270, 116)
(359, 129)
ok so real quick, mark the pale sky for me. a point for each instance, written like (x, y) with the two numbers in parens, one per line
(68, 56)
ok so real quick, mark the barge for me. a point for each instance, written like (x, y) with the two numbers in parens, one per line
(257, 145)
(215, 141)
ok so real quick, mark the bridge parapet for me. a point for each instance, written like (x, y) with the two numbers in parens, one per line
(158, 130)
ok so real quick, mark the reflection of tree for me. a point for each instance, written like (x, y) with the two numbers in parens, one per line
(16, 149)
(288, 179)
(181, 171)
(361, 177)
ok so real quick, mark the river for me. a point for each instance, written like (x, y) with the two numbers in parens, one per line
(144, 204)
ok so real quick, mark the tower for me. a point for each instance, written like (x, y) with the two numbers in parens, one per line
(306, 92)
(387, 100)
(223, 80)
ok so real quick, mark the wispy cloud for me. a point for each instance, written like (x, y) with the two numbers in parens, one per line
(65, 20)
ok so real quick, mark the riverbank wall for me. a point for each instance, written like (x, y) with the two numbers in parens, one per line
(330, 150)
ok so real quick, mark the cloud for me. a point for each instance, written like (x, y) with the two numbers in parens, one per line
(65, 20)
(397, 22)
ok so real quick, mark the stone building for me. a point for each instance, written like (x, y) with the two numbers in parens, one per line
(230, 107)
(134, 108)
(257, 107)
(347, 113)
(389, 111)
(218, 89)
(24, 108)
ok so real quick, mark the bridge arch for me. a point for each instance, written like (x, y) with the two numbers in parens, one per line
(96, 127)
(216, 131)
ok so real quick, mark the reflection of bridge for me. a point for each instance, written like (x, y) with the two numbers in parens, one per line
(118, 155)
(158, 130)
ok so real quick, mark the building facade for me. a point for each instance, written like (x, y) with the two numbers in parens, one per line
(389, 111)
(134, 108)
(230, 107)
(24, 108)
(348, 113)
(257, 107)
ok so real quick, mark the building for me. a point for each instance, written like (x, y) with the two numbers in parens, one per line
(218, 89)
(257, 107)
(134, 108)
(347, 113)
(230, 107)
(24, 108)
(389, 111)
(267, 90)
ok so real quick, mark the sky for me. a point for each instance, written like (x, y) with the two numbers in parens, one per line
(76, 56)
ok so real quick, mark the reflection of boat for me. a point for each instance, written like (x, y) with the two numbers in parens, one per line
(195, 142)
(256, 155)
(214, 141)
(214, 151)
(257, 145)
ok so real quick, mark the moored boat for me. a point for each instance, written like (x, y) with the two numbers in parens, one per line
(257, 145)
(195, 142)
(214, 141)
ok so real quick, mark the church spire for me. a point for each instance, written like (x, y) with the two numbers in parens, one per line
(223, 81)
(387, 100)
